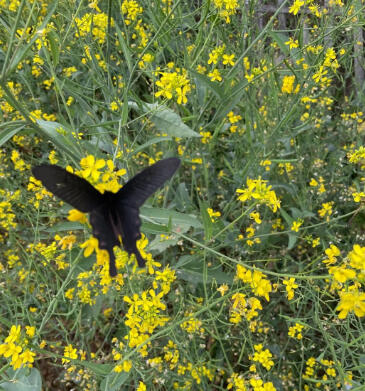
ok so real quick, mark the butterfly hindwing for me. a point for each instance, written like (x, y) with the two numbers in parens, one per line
(130, 230)
(107, 231)
(72, 189)
(144, 184)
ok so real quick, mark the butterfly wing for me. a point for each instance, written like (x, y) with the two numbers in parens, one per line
(130, 224)
(106, 229)
(72, 189)
(133, 194)
(136, 191)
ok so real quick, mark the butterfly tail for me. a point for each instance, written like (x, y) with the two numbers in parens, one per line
(141, 261)
(103, 230)
(112, 267)
(130, 229)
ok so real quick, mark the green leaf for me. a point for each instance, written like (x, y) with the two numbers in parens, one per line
(55, 47)
(207, 222)
(167, 121)
(211, 85)
(159, 245)
(163, 216)
(289, 220)
(196, 276)
(67, 144)
(154, 228)
(7, 134)
(280, 39)
(230, 101)
(114, 381)
(98, 369)
(126, 51)
(65, 226)
(24, 379)
(153, 141)
(292, 240)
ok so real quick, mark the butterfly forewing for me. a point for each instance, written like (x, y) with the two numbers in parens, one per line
(72, 189)
(143, 185)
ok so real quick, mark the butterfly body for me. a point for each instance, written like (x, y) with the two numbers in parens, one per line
(112, 215)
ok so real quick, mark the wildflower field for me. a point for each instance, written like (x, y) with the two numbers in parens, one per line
(255, 248)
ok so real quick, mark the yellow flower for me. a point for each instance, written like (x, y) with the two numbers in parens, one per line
(213, 214)
(76, 215)
(141, 387)
(288, 85)
(263, 356)
(52, 157)
(296, 6)
(27, 357)
(341, 273)
(357, 257)
(326, 210)
(223, 289)
(90, 167)
(296, 225)
(292, 43)
(290, 286)
(14, 334)
(69, 294)
(90, 246)
(30, 331)
(257, 189)
(215, 75)
(351, 301)
(174, 85)
(228, 59)
(69, 352)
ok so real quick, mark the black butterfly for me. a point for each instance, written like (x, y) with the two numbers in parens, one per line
(111, 214)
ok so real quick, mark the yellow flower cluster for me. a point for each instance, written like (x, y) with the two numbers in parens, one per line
(69, 352)
(258, 190)
(144, 313)
(263, 356)
(288, 85)
(174, 85)
(213, 214)
(15, 347)
(19, 163)
(226, 8)
(290, 285)
(329, 62)
(296, 331)
(94, 24)
(352, 269)
(321, 370)
(90, 170)
(131, 9)
(242, 307)
(206, 136)
(7, 215)
(196, 372)
(192, 325)
(357, 156)
(258, 282)
(356, 116)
